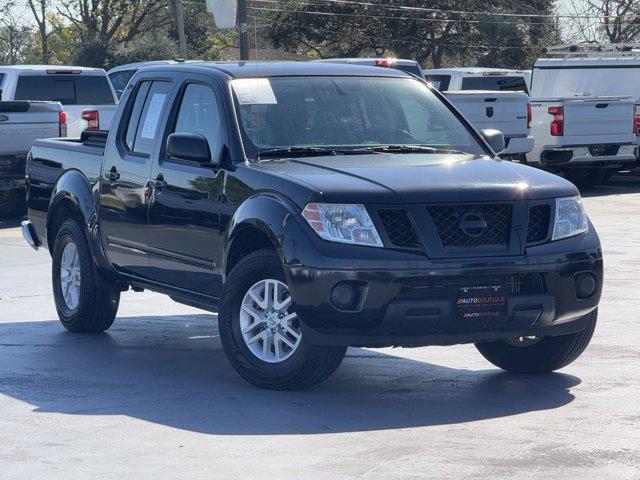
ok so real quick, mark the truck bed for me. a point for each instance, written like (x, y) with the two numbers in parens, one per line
(23, 122)
(50, 158)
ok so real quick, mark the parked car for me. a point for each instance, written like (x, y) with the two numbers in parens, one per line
(85, 93)
(315, 206)
(584, 116)
(477, 78)
(119, 76)
(20, 124)
(409, 66)
(490, 98)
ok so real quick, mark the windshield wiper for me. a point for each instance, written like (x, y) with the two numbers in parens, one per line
(297, 151)
(409, 149)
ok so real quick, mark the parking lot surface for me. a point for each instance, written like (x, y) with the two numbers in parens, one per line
(154, 397)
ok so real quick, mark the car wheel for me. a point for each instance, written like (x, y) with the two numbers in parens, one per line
(261, 333)
(588, 177)
(539, 355)
(81, 304)
(8, 202)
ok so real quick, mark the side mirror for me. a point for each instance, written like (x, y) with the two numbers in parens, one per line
(494, 138)
(191, 147)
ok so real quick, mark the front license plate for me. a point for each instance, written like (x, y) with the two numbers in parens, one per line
(481, 302)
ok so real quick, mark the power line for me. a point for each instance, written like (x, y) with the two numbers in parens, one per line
(392, 17)
(456, 12)
(403, 40)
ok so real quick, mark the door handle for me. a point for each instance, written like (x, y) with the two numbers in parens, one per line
(112, 175)
(159, 182)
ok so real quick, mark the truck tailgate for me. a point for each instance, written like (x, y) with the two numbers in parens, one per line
(23, 122)
(505, 111)
(598, 120)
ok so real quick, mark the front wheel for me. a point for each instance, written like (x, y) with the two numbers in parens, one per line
(539, 355)
(82, 305)
(261, 333)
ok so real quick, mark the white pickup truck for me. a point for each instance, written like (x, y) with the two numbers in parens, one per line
(490, 98)
(85, 93)
(584, 121)
(21, 123)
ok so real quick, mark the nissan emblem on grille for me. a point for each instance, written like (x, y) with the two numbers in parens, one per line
(472, 224)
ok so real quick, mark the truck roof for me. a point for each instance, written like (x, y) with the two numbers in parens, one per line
(287, 68)
(587, 62)
(151, 63)
(471, 70)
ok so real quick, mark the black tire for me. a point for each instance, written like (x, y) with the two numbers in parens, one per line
(544, 356)
(307, 366)
(8, 203)
(97, 306)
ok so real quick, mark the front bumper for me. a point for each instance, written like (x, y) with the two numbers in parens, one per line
(415, 307)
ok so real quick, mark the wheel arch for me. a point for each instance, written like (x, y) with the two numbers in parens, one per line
(71, 198)
(263, 220)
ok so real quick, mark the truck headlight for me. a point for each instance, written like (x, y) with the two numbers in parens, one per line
(571, 218)
(342, 223)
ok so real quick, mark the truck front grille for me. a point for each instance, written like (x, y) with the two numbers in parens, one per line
(398, 227)
(442, 288)
(472, 225)
(538, 225)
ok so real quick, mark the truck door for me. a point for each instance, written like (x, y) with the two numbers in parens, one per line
(124, 187)
(184, 209)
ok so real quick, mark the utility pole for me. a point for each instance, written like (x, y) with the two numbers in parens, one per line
(179, 18)
(243, 30)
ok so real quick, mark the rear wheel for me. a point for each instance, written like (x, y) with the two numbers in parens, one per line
(82, 305)
(588, 177)
(539, 355)
(261, 333)
(8, 202)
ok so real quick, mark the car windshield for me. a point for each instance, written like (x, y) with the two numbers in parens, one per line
(346, 113)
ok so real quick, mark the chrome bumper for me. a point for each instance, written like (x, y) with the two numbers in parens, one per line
(29, 234)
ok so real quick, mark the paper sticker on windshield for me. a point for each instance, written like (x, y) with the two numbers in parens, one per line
(254, 91)
(153, 115)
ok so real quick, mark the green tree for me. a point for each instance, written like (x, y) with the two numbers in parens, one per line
(433, 33)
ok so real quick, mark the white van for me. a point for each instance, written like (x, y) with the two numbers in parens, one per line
(584, 113)
(85, 93)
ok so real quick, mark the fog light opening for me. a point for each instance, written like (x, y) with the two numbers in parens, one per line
(586, 285)
(347, 295)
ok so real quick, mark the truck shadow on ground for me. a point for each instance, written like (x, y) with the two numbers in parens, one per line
(10, 222)
(172, 371)
(620, 184)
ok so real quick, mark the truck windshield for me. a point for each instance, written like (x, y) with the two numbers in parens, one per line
(346, 113)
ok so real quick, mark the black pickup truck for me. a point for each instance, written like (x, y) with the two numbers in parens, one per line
(314, 207)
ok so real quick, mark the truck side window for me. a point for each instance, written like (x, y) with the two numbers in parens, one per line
(199, 113)
(136, 110)
(145, 116)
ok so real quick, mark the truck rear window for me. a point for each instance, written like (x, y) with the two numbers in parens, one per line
(497, 83)
(119, 80)
(68, 90)
(440, 82)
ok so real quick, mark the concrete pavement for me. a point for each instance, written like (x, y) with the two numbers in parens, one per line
(154, 397)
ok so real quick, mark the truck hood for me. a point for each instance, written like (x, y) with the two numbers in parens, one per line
(420, 178)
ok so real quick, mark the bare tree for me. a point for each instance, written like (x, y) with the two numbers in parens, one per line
(103, 25)
(614, 21)
(39, 10)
